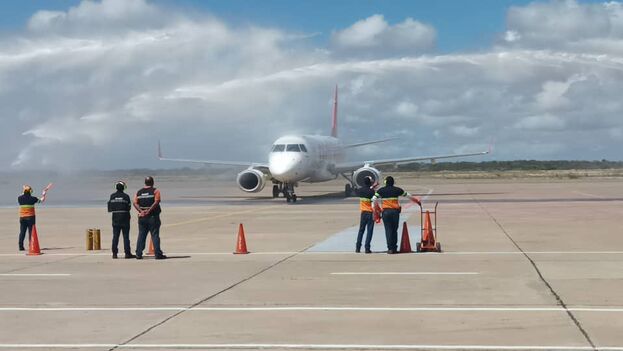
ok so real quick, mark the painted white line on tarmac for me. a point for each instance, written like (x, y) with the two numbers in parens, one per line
(34, 274)
(316, 346)
(282, 253)
(309, 309)
(405, 273)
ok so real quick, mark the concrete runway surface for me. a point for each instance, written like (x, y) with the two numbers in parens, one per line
(532, 265)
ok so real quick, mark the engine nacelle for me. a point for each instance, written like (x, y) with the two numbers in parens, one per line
(366, 171)
(251, 180)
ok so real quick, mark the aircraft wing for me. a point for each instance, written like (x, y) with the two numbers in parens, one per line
(213, 162)
(351, 166)
(368, 143)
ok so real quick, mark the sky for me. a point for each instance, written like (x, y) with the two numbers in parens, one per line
(96, 84)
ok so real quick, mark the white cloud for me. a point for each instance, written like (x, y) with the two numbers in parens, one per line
(541, 123)
(104, 16)
(74, 95)
(374, 37)
(465, 131)
(568, 24)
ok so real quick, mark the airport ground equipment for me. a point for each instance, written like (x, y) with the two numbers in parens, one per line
(429, 239)
(93, 239)
(89, 239)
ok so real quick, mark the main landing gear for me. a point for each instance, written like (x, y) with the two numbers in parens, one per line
(350, 187)
(286, 189)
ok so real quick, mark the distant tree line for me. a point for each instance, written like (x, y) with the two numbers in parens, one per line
(518, 165)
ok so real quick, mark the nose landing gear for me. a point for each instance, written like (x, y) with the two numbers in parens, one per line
(286, 189)
(288, 192)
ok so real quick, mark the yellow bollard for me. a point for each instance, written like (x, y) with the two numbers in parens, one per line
(97, 240)
(89, 239)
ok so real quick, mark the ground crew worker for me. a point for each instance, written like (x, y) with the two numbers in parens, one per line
(26, 214)
(389, 195)
(147, 203)
(120, 206)
(365, 193)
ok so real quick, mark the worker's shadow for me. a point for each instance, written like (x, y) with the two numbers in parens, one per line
(169, 257)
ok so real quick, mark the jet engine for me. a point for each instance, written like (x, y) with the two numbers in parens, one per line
(251, 180)
(366, 171)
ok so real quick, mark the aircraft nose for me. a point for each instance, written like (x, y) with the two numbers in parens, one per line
(286, 167)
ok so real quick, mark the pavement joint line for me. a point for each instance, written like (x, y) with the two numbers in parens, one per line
(318, 346)
(41, 264)
(204, 219)
(208, 298)
(558, 298)
(310, 309)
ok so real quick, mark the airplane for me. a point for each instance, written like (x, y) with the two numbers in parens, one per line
(295, 159)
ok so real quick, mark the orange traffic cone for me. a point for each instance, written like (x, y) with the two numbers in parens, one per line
(427, 235)
(33, 247)
(241, 246)
(405, 243)
(151, 252)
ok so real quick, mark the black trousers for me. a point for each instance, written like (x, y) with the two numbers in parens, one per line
(150, 225)
(366, 221)
(25, 223)
(116, 230)
(391, 221)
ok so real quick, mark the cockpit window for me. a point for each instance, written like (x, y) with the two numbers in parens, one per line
(303, 148)
(278, 147)
(293, 147)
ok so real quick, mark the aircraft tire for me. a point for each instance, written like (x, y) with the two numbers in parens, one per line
(275, 191)
(348, 190)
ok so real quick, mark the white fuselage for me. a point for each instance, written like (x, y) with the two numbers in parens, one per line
(306, 158)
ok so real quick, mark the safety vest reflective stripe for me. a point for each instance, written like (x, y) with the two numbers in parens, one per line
(26, 210)
(365, 204)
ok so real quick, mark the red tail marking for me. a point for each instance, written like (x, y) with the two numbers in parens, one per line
(334, 125)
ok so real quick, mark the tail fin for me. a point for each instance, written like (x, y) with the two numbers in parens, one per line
(334, 124)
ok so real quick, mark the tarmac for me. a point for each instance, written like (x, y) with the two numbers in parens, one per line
(526, 265)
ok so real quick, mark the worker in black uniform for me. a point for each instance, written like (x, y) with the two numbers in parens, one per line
(389, 195)
(147, 203)
(365, 193)
(26, 214)
(120, 206)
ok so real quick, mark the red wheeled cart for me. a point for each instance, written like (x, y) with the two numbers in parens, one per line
(429, 240)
